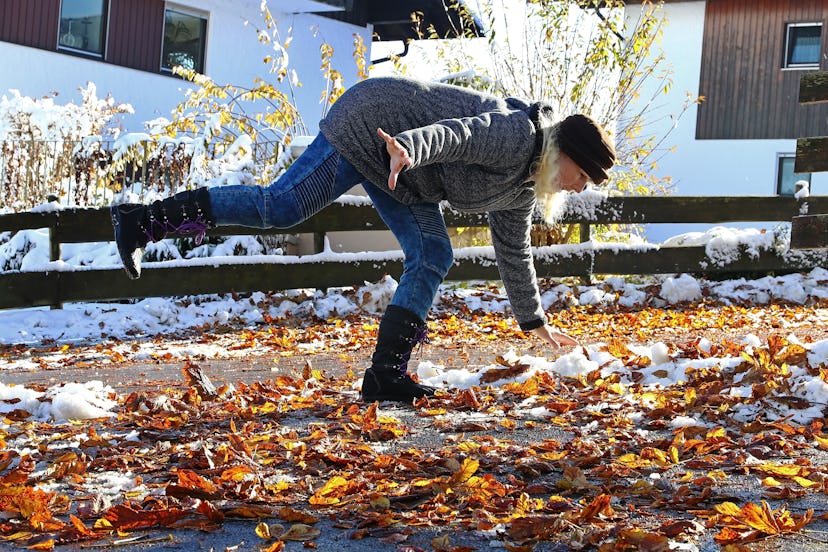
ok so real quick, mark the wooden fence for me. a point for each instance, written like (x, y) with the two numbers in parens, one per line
(61, 283)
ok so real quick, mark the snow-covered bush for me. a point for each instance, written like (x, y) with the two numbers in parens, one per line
(42, 148)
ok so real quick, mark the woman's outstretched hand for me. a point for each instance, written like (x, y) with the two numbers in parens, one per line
(555, 339)
(399, 157)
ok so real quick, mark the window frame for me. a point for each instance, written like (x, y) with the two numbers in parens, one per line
(183, 10)
(80, 51)
(786, 54)
(780, 158)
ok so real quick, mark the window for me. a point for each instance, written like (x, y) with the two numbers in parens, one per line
(803, 45)
(83, 26)
(184, 37)
(786, 178)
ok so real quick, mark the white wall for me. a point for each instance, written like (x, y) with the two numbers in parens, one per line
(708, 167)
(233, 55)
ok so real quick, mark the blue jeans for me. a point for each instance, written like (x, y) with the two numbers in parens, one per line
(312, 182)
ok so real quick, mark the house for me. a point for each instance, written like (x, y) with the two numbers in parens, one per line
(128, 47)
(746, 58)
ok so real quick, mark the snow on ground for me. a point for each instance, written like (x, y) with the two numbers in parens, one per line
(112, 323)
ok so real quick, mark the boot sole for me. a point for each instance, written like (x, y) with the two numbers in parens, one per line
(130, 260)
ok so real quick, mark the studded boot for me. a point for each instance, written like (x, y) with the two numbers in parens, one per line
(184, 214)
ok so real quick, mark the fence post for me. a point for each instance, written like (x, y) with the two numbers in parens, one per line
(318, 242)
(585, 236)
(54, 255)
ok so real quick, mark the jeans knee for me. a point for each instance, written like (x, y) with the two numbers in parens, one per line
(281, 209)
(438, 255)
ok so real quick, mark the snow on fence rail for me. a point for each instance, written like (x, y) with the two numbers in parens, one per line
(59, 282)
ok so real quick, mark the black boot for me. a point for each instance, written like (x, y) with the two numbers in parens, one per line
(184, 214)
(387, 379)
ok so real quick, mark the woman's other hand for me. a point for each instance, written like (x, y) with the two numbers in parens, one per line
(555, 339)
(399, 157)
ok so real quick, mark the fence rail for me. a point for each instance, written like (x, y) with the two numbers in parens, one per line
(239, 274)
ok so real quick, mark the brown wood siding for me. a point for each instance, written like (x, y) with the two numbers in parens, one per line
(30, 23)
(135, 33)
(748, 94)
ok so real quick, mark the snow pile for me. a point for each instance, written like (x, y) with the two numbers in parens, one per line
(661, 374)
(69, 401)
(685, 288)
(724, 245)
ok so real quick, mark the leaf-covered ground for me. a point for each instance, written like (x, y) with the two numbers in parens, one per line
(544, 462)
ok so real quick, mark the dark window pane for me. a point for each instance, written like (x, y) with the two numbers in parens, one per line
(804, 44)
(83, 25)
(786, 178)
(184, 36)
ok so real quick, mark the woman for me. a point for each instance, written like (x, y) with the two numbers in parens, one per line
(411, 145)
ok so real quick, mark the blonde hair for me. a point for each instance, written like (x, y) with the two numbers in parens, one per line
(549, 197)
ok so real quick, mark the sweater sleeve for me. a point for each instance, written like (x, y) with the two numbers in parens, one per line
(512, 245)
(491, 139)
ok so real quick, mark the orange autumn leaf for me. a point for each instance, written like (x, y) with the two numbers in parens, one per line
(619, 349)
(125, 518)
(249, 511)
(600, 507)
(80, 527)
(642, 541)
(510, 371)
(277, 546)
(236, 473)
(48, 544)
(762, 518)
(290, 514)
(369, 419)
(191, 480)
(331, 492)
(535, 527)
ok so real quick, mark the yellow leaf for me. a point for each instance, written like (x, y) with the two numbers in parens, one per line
(102, 523)
(263, 530)
(771, 482)
(728, 509)
(783, 470)
(465, 472)
(333, 486)
(807, 483)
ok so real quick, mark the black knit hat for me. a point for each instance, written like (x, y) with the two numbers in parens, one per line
(588, 145)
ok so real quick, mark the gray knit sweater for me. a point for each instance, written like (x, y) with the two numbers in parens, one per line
(470, 149)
